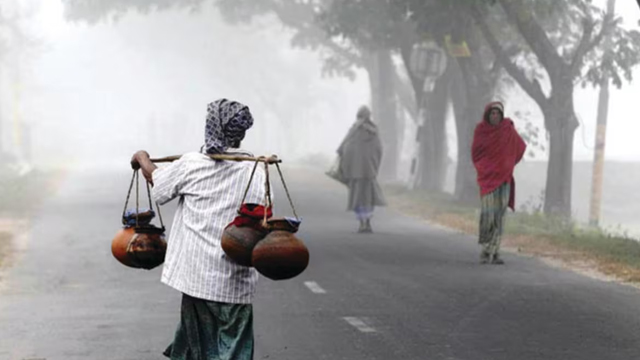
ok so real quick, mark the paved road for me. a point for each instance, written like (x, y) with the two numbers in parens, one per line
(409, 291)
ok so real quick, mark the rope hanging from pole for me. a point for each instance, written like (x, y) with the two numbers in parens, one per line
(271, 160)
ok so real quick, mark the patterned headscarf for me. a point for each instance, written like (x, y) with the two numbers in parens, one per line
(227, 122)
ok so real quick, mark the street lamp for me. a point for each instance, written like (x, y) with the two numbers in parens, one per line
(427, 63)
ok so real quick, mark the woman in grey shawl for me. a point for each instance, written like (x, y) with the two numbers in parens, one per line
(360, 156)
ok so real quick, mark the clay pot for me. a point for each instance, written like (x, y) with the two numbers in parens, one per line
(280, 255)
(246, 230)
(119, 246)
(238, 243)
(148, 247)
(142, 247)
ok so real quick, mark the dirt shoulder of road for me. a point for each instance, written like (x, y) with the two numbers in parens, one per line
(591, 252)
(20, 198)
(5, 246)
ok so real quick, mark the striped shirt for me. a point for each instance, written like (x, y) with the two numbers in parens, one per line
(210, 193)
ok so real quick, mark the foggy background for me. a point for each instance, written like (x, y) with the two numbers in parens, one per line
(92, 95)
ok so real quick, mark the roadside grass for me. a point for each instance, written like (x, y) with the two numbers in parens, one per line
(613, 253)
(5, 247)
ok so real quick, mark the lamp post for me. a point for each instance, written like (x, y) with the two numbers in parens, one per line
(427, 63)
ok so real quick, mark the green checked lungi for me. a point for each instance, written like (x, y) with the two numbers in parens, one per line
(494, 208)
(211, 330)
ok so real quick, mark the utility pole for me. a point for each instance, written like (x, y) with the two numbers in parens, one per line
(17, 113)
(601, 130)
(1, 128)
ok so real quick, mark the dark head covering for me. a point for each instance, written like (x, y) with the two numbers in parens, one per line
(364, 113)
(227, 122)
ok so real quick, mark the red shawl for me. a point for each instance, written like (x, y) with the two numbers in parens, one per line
(495, 152)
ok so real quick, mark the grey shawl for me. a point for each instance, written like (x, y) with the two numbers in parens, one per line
(360, 156)
(361, 151)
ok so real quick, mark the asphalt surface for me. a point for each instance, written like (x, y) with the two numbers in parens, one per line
(408, 291)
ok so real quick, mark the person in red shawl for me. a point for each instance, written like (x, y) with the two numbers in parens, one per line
(497, 148)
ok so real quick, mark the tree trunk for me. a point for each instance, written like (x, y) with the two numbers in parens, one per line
(406, 98)
(466, 189)
(478, 89)
(561, 124)
(432, 137)
(1, 133)
(474, 88)
(383, 102)
(558, 110)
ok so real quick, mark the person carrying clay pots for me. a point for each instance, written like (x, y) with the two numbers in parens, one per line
(216, 319)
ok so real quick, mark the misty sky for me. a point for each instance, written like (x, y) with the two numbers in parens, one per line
(93, 90)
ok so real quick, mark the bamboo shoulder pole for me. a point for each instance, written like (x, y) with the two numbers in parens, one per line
(273, 159)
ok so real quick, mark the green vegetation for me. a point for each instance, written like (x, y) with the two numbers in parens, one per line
(531, 232)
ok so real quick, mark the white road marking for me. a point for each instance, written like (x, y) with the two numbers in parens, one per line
(314, 287)
(359, 324)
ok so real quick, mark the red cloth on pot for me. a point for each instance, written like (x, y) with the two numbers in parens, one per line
(251, 215)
